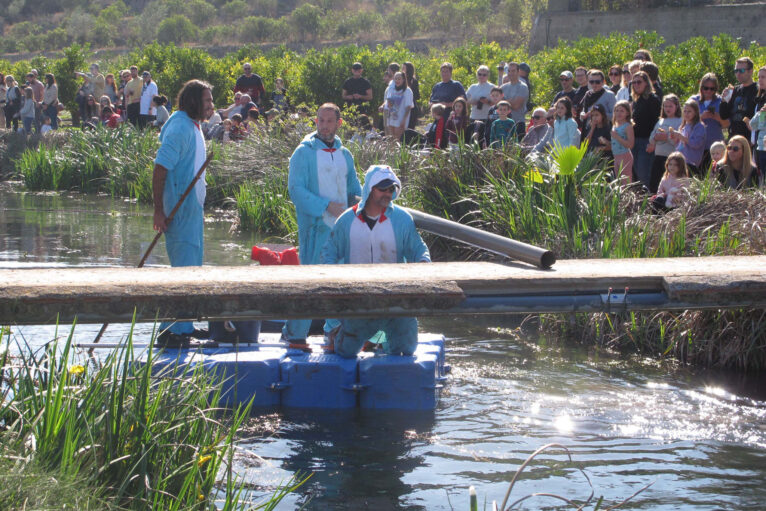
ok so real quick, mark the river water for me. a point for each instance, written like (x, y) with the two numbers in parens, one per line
(698, 436)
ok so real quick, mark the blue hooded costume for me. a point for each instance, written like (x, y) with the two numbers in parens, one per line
(182, 152)
(318, 175)
(354, 241)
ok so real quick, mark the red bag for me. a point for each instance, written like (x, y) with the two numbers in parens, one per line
(268, 257)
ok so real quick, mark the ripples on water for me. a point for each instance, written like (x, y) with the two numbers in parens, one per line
(701, 438)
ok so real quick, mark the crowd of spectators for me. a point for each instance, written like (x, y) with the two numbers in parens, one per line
(623, 115)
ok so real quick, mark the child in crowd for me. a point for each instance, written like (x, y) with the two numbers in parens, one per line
(565, 132)
(503, 128)
(600, 134)
(495, 97)
(659, 140)
(623, 140)
(458, 122)
(674, 182)
(437, 134)
(227, 127)
(111, 119)
(46, 127)
(279, 98)
(717, 151)
(690, 138)
(27, 112)
(159, 103)
(238, 130)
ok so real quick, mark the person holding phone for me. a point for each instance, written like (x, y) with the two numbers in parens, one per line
(709, 102)
(738, 103)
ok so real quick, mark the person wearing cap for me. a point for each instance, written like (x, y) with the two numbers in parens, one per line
(322, 183)
(357, 90)
(372, 232)
(251, 84)
(147, 113)
(567, 90)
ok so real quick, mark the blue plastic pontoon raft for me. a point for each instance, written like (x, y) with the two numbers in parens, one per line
(276, 376)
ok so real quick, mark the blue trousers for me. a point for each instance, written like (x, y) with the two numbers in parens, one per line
(642, 161)
(401, 335)
(182, 254)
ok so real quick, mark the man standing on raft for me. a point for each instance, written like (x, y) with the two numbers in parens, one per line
(182, 153)
(376, 231)
(322, 183)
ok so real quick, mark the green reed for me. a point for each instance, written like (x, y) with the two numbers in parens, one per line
(140, 440)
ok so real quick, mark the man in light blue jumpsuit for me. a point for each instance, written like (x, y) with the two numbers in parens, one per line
(179, 158)
(376, 231)
(322, 183)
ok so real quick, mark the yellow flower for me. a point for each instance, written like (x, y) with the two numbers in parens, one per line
(76, 370)
(534, 176)
(200, 497)
(203, 460)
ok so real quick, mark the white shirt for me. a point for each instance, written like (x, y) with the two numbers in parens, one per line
(376, 245)
(398, 115)
(149, 91)
(200, 154)
(476, 91)
(332, 172)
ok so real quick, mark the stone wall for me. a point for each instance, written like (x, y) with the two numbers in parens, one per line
(675, 24)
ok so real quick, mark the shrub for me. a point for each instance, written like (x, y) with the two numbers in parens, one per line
(176, 29)
(306, 21)
(406, 19)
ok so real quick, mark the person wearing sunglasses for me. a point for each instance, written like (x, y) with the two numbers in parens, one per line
(597, 95)
(537, 132)
(709, 102)
(375, 231)
(738, 103)
(736, 169)
(566, 78)
(478, 93)
(646, 112)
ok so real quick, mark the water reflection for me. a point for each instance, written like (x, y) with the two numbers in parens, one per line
(701, 436)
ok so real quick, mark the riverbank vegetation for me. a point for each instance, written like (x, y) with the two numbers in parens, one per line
(576, 211)
(112, 435)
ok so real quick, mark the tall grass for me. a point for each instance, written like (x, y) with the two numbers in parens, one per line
(138, 439)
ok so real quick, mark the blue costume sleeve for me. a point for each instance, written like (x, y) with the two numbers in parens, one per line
(173, 146)
(353, 187)
(305, 201)
(574, 135)
(335, 249)
(697, 137)
(417, 250)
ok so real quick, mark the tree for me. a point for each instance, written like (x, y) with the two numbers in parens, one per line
(75, 59)
(406, 19)
(306, 19)
(176, 29)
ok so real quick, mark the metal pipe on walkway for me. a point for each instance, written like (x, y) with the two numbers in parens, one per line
(615, 302)
(485, 240)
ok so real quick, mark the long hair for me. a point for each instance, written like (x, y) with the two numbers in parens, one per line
(709, 77)
(190, 98)
(409, 72)
(680, 160)
(567, 105)
(673, 99)
(747, 160)
(50, 79)
(761, 92)
(648, 90)
(464, 115)
(694, 106)
(624, 104)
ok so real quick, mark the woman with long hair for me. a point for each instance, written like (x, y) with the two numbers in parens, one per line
(615, 76)
(646, 111)
(737, 170)
(13, 99)
(709, 102)
(414, 85)
(457, 124)
(50, 104)
(110, 89)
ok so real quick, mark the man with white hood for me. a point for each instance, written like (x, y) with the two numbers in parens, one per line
(322, 183)
(376, 231)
